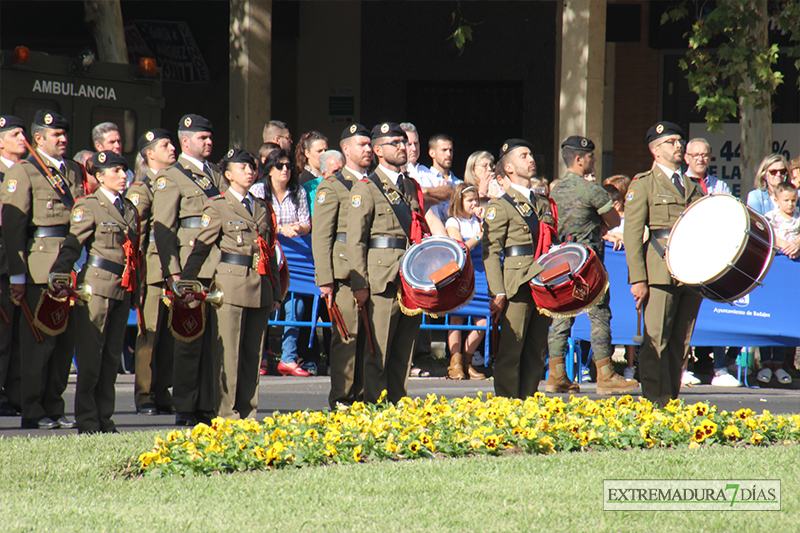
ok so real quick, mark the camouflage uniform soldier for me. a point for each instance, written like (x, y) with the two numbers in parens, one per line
(583, 206)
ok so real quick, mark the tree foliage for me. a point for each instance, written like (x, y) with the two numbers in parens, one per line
(730, 62)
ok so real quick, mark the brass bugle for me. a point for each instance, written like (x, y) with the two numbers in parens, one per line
(84, 293)
(59, 280)
(215, 298)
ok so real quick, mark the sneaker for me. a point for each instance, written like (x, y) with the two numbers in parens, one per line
(629, 372)
(477, 360)
(783, 376)
(765, 375)
(689, 379)
(723, 379)
(311, 368)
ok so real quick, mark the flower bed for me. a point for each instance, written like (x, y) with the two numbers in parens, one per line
(434, 426)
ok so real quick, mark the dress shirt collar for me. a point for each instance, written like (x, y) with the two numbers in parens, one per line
(356, 173)
(526, 191)
(110, 195)
(239, 197)
(669, 172)
(9, 163)
(196, 162)
(391, 174)
(55, 162)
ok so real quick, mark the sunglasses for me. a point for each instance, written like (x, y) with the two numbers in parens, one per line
(778, 171)
(397, 144)
(281, 166)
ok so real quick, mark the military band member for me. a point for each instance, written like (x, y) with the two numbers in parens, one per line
(180, 195)
(154, 346)
(12, 150)
(376, 242)
(242, 226)
(329, 246)
(36, 215)
(655, 200)
(107, 225)
(583, 207)
(511, 231)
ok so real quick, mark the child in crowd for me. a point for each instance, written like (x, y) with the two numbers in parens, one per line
(464, 225)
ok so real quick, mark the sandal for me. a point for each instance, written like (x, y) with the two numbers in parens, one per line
(765, 375)
(417, 372)
(783, 376)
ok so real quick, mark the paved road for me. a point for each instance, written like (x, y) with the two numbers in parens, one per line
(294, 393)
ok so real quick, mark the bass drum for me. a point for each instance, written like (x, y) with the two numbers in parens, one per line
(436, 277)
(573, 280)
(721, 246)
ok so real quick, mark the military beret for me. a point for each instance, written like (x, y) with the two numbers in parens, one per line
(355, 130)
(153, 136)
(511, 144)
(195, 123)
(107, 159)
(9, 122)
(237, 155)
(387, 129)
(50, 119)
(662, 129)
(579, 143)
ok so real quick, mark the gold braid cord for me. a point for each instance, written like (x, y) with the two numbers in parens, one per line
(414, 312)
(573, 314)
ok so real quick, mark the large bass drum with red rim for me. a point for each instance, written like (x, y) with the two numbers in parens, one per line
(721, 246)
(573, 280)
(436, 277)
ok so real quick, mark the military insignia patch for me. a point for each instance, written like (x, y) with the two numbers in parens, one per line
(353, 128)
(524, 209)
(356, 200)
(12, 185)
(660, 129)
(187, 122)
(2, 122)
(384, 128)
(134, 198)
(77, 216)
(161, 183)
(205, 220)
(48, 119)
(394, 197)
(230, 153)
(321, 197)
(505, 147)
(150, 136)
(101, 157)
(629, 196)
(491, 213)
(584, 143)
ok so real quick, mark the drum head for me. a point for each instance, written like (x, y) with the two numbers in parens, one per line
(707, 238)
(279, 254)
(575, 255)
(425, 258)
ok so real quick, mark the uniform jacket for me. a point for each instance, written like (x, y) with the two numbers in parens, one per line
(228, 227)
(331, 209)
(177, 196)
(141, 194)
(29, 201)
(98, 225)
(3, 261)
(652, 201)
(371, 215)
(504, 226)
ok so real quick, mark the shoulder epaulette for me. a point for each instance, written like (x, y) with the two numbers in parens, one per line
(642, 174)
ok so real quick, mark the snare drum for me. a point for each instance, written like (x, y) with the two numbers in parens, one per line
(722, 246)
(573, 280)
(283, 269)
(436, 277)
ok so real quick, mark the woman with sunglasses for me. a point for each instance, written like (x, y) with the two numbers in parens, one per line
(773, 169)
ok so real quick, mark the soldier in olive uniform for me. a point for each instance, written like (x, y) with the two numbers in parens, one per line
(243, 228)
(154, 345)
(181, 192)
(511, 231)
(12, 149)
(376, 242)
(107, 224)
(655, 200)
(329, 245)
(583, 206)
(36, 215)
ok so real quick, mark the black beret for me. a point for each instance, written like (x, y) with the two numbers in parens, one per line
(195, 123)
(662, 129)
(153, 136)
(50, 119)
(355, 130)
(510, 144)
(237, 155)
(579, 143)
(387, 129)
(108, 159)
(9, 122)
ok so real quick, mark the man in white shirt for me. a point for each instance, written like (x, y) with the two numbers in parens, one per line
(441, 182)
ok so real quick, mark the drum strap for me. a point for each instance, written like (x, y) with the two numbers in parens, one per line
(347, 183)
(201, 181)
(529, 217)
(401, 209)
(654, 235)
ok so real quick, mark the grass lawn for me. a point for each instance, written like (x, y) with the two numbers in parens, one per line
(73, 484)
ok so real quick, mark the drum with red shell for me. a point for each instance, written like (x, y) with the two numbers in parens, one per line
(573, 280)
(436, 276)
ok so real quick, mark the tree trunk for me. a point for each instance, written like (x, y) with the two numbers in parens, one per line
(105, 18)
(755, 121)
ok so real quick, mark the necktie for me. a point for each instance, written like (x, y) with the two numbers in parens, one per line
(118, 205)
(207, 170)
(247, 205)
(677, 179)
(400, 186)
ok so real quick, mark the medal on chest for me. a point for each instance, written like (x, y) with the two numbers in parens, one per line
(392, 195)
(524, 209)
(203, 182)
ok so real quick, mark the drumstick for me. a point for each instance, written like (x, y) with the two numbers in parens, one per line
(366, 328)
(4, 317)
(638, 339)
(340, 319)
(26, 310)
(495, 338)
